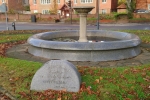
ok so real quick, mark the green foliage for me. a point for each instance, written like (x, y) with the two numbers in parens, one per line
(11, 11)
(27, 8)
(143, 34)
(130, 7)
(54, 7)
(130, 15)
(12, 38)
(114, 83)
(19, 71)
(107, 16)
(117, 15)
(121, 1)
(11, 32)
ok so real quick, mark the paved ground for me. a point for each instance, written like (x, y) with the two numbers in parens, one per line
(20, 52)
(74, 26)
(5, 95)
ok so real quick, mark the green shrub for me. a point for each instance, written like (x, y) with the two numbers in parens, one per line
(107, 16)
(117, 15)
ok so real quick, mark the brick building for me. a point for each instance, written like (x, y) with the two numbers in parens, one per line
(122, 8)
(15, 5)
(143, 4)
(44, 6)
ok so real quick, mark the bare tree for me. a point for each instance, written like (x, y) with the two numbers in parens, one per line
(129, 3)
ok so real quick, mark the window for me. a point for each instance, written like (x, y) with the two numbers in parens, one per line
(86, 1)
(35, 11)
(45, 1)
(34, 1)
(103, 1)
(59, 11)
(58, 1)
(148, 6)
(104, 11)
(24, 2)
(75, 1)
(45, 12)
(3, 1)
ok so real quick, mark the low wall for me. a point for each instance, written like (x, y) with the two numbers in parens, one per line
(141, 15)
(39, 17)
(27, 17)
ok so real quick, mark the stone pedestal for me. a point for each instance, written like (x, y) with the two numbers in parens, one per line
(83, 11)
(82, 34)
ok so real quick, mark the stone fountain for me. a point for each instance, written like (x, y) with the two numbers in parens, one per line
(83, 11)
(111, 45)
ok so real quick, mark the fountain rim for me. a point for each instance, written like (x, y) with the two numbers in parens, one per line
(37, 41)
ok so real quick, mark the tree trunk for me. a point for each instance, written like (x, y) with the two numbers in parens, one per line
(129, 4)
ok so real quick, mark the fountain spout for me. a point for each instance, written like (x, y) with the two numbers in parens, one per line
(83, 11)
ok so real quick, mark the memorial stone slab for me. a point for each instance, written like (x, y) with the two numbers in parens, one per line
(57, 75)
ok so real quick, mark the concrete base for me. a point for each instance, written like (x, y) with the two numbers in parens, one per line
(86, 55)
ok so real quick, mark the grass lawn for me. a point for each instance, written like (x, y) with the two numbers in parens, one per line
(120, 83)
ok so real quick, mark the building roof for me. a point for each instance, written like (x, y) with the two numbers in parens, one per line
(122, 6)
(63, 6)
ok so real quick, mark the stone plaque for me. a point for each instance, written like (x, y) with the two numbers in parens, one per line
(57, 75)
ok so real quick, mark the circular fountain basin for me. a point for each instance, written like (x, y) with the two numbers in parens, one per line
(115, 46)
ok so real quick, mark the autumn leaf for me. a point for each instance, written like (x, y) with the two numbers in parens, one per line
(89, 90)
(59, 98)
(143, 74)
(127, 99)
(97, 80)
(101, 78)
(83, 86)
(64, 90)
(23, 94)
(146, 79)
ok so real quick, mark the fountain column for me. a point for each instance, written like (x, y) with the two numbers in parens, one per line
(82, 34)
(83, 11)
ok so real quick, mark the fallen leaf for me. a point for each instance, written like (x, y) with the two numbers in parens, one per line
(97, 80)
(64, 90)
(127, 99)
(101, 78)
(146, 79)
(143, 74)
(89, 90)
(59, 98)
(83, 86)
